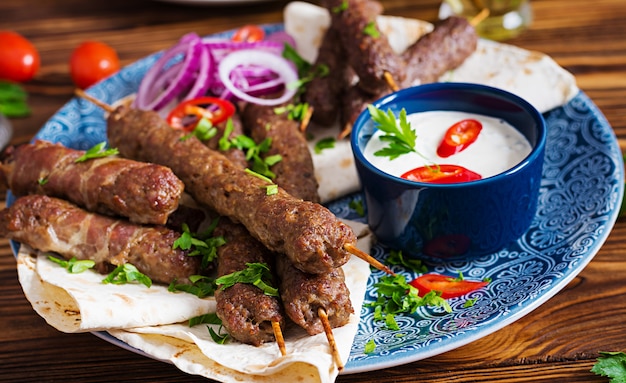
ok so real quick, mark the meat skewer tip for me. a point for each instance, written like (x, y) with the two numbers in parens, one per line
(331, 338)
(82, 94)
(368, 258)
(280, 340)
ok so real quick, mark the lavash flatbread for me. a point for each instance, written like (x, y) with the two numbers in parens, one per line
(531, 75)
(155, 321)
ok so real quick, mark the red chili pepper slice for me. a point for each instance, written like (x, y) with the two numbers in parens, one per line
(448, 286)
(187, 114)
(441, 174)
(459, 136)
(249, 34)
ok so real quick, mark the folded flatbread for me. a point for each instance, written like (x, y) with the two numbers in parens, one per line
(533, 76)
(155, 321)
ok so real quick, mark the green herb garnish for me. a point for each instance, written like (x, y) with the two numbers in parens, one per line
(42, 181)
(324, 143)
(398, 134)
(271, 188)
(371, 30)
(295, 112)
(611, 365)
(218, 337)
(397, 258)
(200, 286)
(357, 205)
(127, 273)
(341, 7)
(469, 303)
(73, 266)
(13, 100)
(370, 346)
(257, 274)
(396, 296)
(203, 244)
(97, 151)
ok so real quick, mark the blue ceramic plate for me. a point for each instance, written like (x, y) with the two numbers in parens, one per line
(581, 191)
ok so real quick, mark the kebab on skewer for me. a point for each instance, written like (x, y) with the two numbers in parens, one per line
(145, 193)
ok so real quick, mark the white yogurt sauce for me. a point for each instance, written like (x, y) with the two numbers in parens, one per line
(499, 145)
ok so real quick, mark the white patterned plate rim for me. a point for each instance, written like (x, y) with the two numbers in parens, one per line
(581, 191)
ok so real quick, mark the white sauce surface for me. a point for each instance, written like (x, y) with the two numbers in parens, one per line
(499, 145)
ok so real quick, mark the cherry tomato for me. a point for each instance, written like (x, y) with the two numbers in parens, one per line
(19, 59)
(459, 136)
(187, 114)
(449, 287)
(92, 61)
(441, 174)
(249, 34)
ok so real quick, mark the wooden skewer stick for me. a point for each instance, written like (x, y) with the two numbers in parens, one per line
(345, 132)
(391, 82)
(482, 15)
(278, 334)
(367, 258)
(306, 118)
(331, 338)
(82, 94)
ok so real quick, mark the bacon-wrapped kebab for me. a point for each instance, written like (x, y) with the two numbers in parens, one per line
(51, 224)
(295, 172)
(445, 48)
(303, 294)
(367, 49)
(144, 193)
(308, 233)
(246, 311)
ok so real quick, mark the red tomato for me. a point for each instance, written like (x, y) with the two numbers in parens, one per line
(459, 136)
(249, 33)
(187, 114)
(19, 59)
(91, 62)
(449, 287)
(441, 174)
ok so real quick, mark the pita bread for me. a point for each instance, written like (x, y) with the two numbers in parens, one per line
(154, 321)
(533, 76)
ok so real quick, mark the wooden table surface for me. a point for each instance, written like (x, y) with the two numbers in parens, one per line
(557, 342)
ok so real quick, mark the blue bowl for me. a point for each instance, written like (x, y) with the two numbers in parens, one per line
(461, 220)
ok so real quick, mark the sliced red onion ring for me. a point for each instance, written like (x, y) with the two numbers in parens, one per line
(247, 57)
(151, 97)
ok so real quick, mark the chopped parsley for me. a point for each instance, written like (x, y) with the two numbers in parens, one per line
(211, 318)
(13, 100)
(357, 205)
(371, 30)
(127, 273)
(370, 346)
(324, 143)
(97, 151)
(257, 274)
(73, 266)
(270, 189)
(396, 296)
(42, 181)
(200, 286)
(295, 112)
(203, 244)
(396, 258)
(341, 7)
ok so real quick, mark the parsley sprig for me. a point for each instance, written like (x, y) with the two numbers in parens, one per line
(97, 151)
(396, 296)
(257, 274)
(201, 286)
(397, 133)
(611, 365)
(73, 266)
(127, 273)
(211, 318)
(204, 244)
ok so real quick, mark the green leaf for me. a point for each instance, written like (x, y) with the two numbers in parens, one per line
(127, 273)
(210, 318)
(201, 286)
(97, 151)
(257, 274)
(396, 258)
(324, 143)
(73, 266)
(371, 30)
(203, 244)
(370, 346)
(341, 7)
(398, 134)
(13, 100)
(357, 205)
(611, 365)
